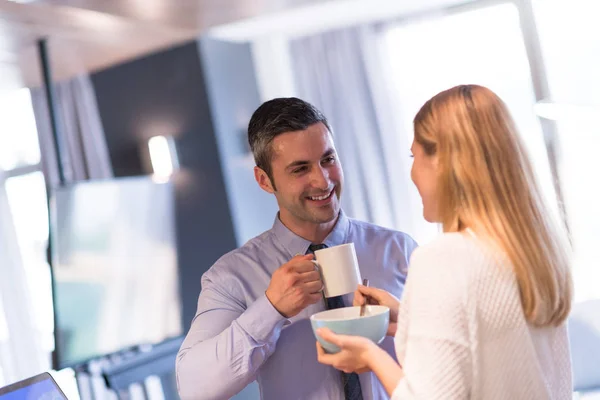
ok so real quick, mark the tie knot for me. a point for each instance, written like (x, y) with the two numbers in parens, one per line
(314, 247)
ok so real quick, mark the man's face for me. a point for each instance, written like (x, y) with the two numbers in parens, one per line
(307, 176)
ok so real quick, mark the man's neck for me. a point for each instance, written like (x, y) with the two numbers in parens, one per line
(313, 232)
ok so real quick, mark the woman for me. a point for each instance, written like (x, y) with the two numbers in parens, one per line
(484, 307)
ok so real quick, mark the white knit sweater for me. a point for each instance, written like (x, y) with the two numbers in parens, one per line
(462, 333)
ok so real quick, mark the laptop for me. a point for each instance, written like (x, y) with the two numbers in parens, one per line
(39, 387)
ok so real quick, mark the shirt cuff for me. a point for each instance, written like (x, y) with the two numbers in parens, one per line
(262, 321)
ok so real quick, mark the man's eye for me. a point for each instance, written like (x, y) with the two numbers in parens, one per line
(329, 160)
(299, 170)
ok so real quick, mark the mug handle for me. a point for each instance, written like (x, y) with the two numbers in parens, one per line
(320, 271)
(317, 267)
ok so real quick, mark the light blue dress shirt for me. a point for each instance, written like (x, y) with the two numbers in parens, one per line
(237, 336)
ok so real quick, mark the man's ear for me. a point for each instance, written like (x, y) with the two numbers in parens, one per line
(263, 180)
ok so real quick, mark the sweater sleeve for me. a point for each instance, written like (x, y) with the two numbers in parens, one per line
(437, 355)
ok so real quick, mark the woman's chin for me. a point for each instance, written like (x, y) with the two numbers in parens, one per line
(430, 218)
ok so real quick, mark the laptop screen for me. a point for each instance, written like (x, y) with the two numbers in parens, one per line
(40, 387)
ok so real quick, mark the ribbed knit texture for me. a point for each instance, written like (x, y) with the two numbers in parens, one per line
(462, 333)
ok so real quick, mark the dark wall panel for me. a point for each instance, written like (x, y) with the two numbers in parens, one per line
(165, 94)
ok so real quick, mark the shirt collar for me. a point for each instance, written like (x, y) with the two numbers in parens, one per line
(295, 244)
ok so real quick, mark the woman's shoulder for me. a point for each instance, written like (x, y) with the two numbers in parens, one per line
(454, 253)
(457, 254)
(447, 247)
(456, 266)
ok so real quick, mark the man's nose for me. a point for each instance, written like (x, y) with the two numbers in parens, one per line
(320, 178)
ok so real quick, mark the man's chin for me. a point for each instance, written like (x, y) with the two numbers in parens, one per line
(324, 216)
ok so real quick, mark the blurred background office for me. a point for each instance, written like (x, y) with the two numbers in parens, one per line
(125, 171)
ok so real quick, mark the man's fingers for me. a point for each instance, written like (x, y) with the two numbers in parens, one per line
(315, 298)
(313, 287)
(302, 265)
(311, 276)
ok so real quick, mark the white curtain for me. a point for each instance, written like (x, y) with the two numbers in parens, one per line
(85, 156)
(21, 351)
(340, 73)
(82, 142)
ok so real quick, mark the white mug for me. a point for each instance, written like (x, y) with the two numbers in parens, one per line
(339, 270)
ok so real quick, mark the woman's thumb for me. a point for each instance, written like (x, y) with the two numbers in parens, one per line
(359, 298)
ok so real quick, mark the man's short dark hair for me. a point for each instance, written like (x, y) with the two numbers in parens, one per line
(275, 117)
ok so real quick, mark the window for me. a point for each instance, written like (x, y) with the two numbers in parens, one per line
(18, 133)
(431, 55)
(572, 59)
(27, 228)
(27, 201)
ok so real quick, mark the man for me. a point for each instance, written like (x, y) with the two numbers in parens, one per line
(253, 312)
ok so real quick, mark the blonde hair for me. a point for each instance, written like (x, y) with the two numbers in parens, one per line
(487, 183)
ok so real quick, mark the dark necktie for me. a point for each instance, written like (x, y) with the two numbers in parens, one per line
(352, 390)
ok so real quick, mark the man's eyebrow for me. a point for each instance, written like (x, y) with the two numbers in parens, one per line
(299, 163)
(328, 153)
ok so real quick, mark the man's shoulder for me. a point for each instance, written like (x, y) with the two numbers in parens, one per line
(230, 262)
